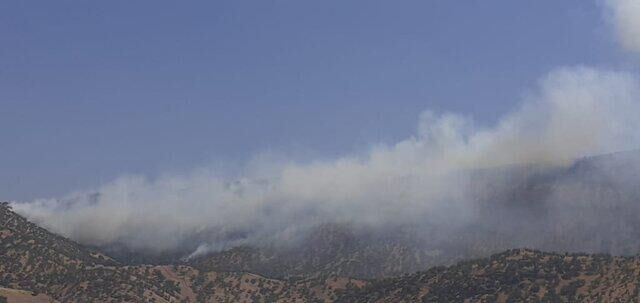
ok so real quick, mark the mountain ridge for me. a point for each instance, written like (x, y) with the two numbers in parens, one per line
(516, 275)
(40, 262)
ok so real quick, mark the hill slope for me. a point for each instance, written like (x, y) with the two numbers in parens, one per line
(65, 271)
(514, 276)
(589, 206)
(35, 260)
(8, 295)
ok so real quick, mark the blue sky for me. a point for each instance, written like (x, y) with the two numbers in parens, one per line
(91, 91)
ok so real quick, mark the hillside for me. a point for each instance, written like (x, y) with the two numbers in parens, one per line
(36, 261)
(589, 206)
(21, 296)
(586, 206)
(63, 271)
(31, 255)
(514, 276)
(329, 250)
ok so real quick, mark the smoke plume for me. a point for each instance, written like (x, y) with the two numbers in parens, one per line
(574, 112)
(624, 15)
(431, 177)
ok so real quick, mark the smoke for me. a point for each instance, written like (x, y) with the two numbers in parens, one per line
(427, 177)
(624, 15)
(431, 177)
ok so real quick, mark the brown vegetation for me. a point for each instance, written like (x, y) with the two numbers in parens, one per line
(37, 266)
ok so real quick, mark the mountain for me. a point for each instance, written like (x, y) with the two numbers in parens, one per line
(588, 206)
(63, 271)
(514, 276)
(30, 254)
(329, 250)
(34, 261)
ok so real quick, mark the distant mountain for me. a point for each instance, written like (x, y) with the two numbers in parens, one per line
(590, 206)
(329, 250)
(514, 276)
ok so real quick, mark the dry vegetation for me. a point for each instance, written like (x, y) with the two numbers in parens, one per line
(37, 261)
(37, 266)
(8, 295)
(514, 276)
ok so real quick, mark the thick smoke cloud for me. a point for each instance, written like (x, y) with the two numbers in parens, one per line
(574, 112)
(624, 15)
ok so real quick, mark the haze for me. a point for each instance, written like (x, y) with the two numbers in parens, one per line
(324, 141)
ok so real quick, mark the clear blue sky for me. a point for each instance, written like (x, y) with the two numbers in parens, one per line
(91, 90)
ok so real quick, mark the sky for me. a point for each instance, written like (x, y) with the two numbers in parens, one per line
(89, 92)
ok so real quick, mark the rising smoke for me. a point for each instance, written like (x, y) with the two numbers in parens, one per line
(577, 112)
(624, 15)
(574, 112)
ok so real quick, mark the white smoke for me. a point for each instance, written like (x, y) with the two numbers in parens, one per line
(575, 112)
(624, 15)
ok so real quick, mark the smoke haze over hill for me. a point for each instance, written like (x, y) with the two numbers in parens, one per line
(388, 152)
(572, 113)
(575, 112)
